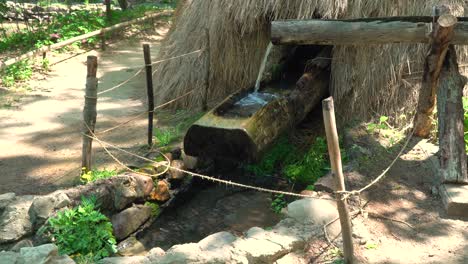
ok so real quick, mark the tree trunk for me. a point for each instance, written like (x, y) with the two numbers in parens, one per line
(359, 31)
(451, 126)
(440, 40)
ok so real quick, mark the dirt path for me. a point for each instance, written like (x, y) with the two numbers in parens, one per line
(40, 137)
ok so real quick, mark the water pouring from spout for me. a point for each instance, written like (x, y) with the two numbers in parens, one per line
(262, 67)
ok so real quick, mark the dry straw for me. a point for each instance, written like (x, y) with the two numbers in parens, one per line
(375, 79)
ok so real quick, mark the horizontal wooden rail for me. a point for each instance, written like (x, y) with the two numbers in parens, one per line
(360, 31)
(67, 42)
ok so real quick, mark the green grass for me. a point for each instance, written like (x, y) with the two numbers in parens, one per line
(286, 159)
(20, 71)
(94, 175)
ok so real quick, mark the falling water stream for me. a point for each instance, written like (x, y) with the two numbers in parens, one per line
(262, 67)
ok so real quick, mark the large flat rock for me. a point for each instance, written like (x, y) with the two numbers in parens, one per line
(455, 199)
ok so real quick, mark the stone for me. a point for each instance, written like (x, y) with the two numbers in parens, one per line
(286, 239)
(8, 257)
(455, 199)
(185, 253)
(124, 260)
(39, 254)
(217, 240)
(176, 174)
(129, 188)
(21, 244)
(325, 183)
(6, 199)
(130, 247)
(258, 250)
(156, 253)
(292, 258)
(44, 206)
(161, 191)
(190, 162)
(312, 211)
(15, 221)
(129, 220)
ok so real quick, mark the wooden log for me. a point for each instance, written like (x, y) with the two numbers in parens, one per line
(245, 135)
(360, 31)
(149, 90)
(89, 112)
(441, 36)
(70, 41)
(452, 156)
(335, 160)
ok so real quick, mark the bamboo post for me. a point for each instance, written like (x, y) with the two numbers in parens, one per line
(149, 89)
(335, 160)
(89, 111)
(207, 74)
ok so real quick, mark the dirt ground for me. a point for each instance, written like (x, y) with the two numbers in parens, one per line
(404, 195)
(40, 131)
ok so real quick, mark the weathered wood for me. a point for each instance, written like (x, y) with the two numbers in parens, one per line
(67, 42)
(359, 32)
(440, 37)
(220, 133)
(149, 90)
(452, 155)
(335, 160)
(89, 112)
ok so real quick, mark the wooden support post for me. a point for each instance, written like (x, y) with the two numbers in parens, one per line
(441, 36)
(44, 55)
(103, 40)
(452, 155)
(89, 111)
(207, 74)
(335, 160)
(149, 88)
(108, 10)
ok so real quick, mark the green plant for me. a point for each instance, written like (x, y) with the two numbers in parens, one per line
(278, 203)
(94, 175)
(165, 136)
(82, 232)
(382, 124)
(20, 71)
(155, 210)
(45, 64)
(370, 245)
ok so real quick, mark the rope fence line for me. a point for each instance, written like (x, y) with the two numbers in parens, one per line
(344, 195)
(122, 83)
(145, 112)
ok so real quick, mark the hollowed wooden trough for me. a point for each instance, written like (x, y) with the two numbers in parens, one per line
(231, 132)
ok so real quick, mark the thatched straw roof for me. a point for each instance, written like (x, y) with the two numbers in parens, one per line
(374, 79)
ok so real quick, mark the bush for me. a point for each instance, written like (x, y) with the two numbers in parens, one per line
(20, 71)
(82, 232)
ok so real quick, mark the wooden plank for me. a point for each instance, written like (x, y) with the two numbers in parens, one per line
(452, 155)
(335, 160)
(359, 32)
(89, 112)
(149, 91)
(67, 42)
(440, 37)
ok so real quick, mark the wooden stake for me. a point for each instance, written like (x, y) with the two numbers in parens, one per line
(335, 160)
(441, 36)
(89, 111)
(452, 155)
(103, 40)
(149, 89)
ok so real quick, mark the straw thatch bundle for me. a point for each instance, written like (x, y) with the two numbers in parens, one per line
(379, 79)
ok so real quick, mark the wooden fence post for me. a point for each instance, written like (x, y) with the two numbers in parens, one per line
(89, 111)
(452, 155)
(149, 89)
(335, 160)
